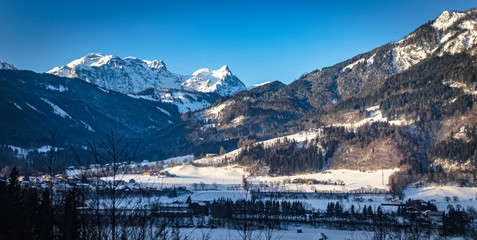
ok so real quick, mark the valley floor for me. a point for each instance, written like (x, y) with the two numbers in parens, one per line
(361, 188)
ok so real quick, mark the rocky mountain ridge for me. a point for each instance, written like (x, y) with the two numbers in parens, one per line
(131, 76)
(6, 66)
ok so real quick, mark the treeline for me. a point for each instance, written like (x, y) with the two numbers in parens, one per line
(284, 157)
(226, 208)
(407, 141)
(459, 150)
(287, 157)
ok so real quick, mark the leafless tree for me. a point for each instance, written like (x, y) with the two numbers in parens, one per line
(206, 234)
(115, 150)
(271, 229)
(53, 143)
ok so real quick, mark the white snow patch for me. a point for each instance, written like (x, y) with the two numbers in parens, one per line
(56, 110)
(180, 159)
(60, 88)
(184, 101)
(164, 111)
(16, 105)
(134, 96)
(104, 90)
(260, 84)
(297, 137)
(238, 120)
(467, 196)
(375, 116)
(350, 66)
(31, 106)
(370, 60)
(87, 126)
(23, 152)
(447, 19)
(373, 108)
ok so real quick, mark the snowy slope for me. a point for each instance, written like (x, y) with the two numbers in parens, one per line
(184, 100)
(299, 137)
(226, 177)
(466, 196)
(451, 33)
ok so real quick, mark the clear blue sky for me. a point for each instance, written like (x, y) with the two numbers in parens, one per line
(259, 40)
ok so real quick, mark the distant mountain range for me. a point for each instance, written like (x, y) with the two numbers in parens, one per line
(134, 76)
(33, 105)
(412, 98)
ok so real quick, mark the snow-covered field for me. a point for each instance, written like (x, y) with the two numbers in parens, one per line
(466, 196)
(289, 234)
(353, 180)
(224, 178)
(188, 175)
(209, 183)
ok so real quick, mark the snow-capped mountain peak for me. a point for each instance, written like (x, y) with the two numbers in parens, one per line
(156, 64)
(224, 69)
(131, 75)
(451, 33)
(6, 66)
(221, 81)
(125, 75)
(447, 19)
